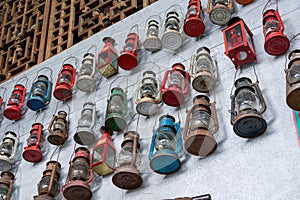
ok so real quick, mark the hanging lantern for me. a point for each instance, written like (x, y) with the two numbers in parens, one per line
(203, 71)
(147, 94)
(293, 80)
(128, 57)
(219, 11)
(48, 187)
(40, 93)
(193, 22)
(85, 134)
(276, 43)
(247, 106)
(104, 154)
(171, 38)
(15, 105)
(116, 110)
(8, 148)
(65, 83)
(152, 42)
(238, 41)
(127, 175)
(58, 129)
(79, 176)
(167, 142)
(86, 79)
(107, 58)
(33, 152)
(200, 127)
(177, 87)
(6, 185)
(244, 2)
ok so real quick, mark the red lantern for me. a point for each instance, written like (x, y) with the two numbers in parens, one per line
(193, 22)
(238, 41)
(107, 58)
(14, 108)
(178, 82)
(33, 153)
(65, 83)
(276, 43)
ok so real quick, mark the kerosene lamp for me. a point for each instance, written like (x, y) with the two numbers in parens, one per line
(219, 11)
(193, 22)
(8, 149)
(6, 185)
(58, 128)
(86, 80)
(152, 41)
(107, 59)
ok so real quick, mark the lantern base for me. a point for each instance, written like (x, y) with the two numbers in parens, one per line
(152, 43)
(36, 103)
(32, 154)
(56, 139)
(108, 70)
(102, 168)
(165, 162)
(293, 97)
(171, 39)
(276, 44)
(77, 190)
(85, 83)
(62, 93)
(147, 106)
(115, 122)
(5, 163)
(249, 125)
(127, 60)
(12, 113)
(43, 197)
(220, 14)
(193, 26)
(85, 136)
(204, 82)
(127, 177)
(173, 97)
(200, 143)
(244, 2)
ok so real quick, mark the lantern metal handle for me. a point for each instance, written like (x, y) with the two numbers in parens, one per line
(134, 153)
(53, 173)
(187, 83)
(163, 84)
(5, 130)
(37, 73)
(69, 109)
(24, 77)
(134, 26)
(215, 117)
(260, 96)
(4, 92)
(93, 46)
(174, 6)
(186, 126)
(76, 60)
(38, 114)
(266, 5)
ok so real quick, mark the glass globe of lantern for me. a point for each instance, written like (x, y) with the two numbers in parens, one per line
(86, 79)
(193, 22)
(219, 11)
(152, 42)
(6, 184)
(171, 38)
(8, 148)
(244, 2)
(58, 129)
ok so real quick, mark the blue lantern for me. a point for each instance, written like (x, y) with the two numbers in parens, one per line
(167, 142)
(40, 93)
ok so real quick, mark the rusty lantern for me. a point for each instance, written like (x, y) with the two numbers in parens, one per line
(244, 2)
(193, 22)
(58, 128)
(247, 106)
(175, 85)
(65, 83)
(107, 58)
(276, 43)
(152, 42)
(127, 175)
(104, 154)
(293, 80)
(15, 106)
(200, 127)
(6, 184)
(86, 81)
(48, 187)
(8, 149)
(219, 11)
(79, 176)
(33, 153)
(238, 41)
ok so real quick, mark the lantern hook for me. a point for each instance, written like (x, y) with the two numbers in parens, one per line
(254, 70)
(114, 81)
(269, 3)
(38, 114)
(59, 150)
(134, 26)
(70, 161)
(76, 60)
(24, 77)
(69, 109)
(37, 73)
(231, 91)
(5, 130)
(130, 121)
(91, 47)
(4, 92)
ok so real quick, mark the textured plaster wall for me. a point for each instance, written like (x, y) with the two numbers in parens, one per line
(263, 168)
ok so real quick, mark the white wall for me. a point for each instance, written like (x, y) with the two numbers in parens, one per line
(263, 168)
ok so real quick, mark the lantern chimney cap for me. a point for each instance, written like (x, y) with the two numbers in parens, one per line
(104, 130)
(117, 88)
(11, 175)
(292, 52)
(109, 39)
(10, 132)
(201, 96)
(178, 66)
(88, 54)
(293, 56)
(153, 22)
(129, 137)
(243, 82)
(61, 112)
(167, 116)
(149, 72)
(203, 49)
(234, 20)
(43, 77)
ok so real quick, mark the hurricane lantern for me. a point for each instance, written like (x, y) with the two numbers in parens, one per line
(65, 83)
(247, 106)
(79, 176)
(152, 42)
(104, 154)
(203, 71)
(86, 81)
(58, 129)
(219, 11)
(6, 185)
(48, 187)
(107, 58)
(15, 106)
(175, 85)
(193, 22)
(32, 152)
(127, 175)
(244, 2)
(165, 146)
(85, 134)
(276, 43)
(40, 93)
(238, 41)
(147, 94)
(115, 118)
(171, 38)
(8, 149)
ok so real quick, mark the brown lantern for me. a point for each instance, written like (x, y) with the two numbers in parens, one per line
(107, 58)
(219, 11)
(6, 184)
(58, 128)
